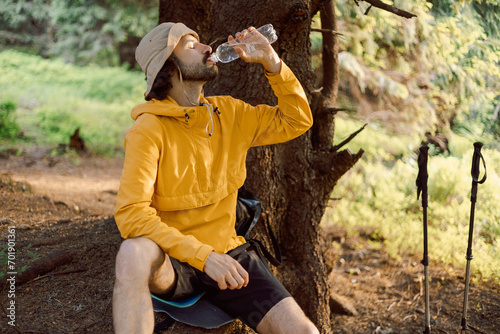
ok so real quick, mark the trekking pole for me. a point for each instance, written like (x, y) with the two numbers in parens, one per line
(422, 188)
(473, 195)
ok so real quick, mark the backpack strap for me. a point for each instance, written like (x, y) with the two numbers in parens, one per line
(264, 253)
(252, 205)
(275, 259)
(276, 246)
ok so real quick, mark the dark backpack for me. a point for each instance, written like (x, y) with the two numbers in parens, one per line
(248, 214)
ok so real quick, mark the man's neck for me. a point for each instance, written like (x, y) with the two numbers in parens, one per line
(186, 94)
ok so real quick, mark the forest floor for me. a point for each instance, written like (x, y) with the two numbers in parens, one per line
(63, 208)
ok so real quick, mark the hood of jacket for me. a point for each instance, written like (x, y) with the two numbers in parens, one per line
(167, 107)
(170, 108)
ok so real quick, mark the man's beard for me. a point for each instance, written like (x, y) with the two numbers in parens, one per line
(197, 72)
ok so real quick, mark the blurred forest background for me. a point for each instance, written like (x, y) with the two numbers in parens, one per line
(69, 64)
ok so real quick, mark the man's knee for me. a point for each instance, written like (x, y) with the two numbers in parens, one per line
(136, 258)
(286, 317)
(301, 324)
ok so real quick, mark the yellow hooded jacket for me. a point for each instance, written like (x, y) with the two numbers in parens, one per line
(179, 184)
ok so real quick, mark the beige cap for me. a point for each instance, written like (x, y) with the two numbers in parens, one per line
(155, 48)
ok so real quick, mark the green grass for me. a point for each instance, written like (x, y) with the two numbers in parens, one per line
(53, 99)
(380, 192)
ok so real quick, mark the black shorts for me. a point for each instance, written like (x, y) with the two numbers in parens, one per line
(250, 304)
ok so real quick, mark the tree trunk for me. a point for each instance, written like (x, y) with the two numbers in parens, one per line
(293, 180)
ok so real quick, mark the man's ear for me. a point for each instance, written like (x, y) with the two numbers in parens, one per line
(173, 58)
(177, 71)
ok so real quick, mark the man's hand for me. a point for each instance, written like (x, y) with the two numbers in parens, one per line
(226, 271)
(265, 56)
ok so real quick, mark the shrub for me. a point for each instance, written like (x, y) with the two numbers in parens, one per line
(9, 129)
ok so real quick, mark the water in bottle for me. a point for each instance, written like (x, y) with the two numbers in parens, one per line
(225, 53)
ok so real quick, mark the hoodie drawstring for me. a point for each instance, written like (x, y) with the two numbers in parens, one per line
(210, 122)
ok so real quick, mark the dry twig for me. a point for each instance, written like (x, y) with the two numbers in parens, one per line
(441, 330)
(45, 265)
(354, 134)
(64, 272)
(475, 329)
(389, 8)
(327, 30)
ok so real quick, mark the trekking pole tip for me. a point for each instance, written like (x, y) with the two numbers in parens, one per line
(464, 326)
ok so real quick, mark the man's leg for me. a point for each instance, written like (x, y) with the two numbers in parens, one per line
(286, 317)
(141, 268)
(264, 304)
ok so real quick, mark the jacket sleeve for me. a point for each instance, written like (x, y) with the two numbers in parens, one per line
(289, 119)
(134, 215)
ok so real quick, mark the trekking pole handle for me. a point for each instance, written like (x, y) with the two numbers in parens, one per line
(422, 174)
(476, 159)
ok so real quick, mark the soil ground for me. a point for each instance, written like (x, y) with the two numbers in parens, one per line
(63, 205)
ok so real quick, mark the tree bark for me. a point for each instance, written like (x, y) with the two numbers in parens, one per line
(293, 180)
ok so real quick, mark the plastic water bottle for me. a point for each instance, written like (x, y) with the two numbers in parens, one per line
(225, 53)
